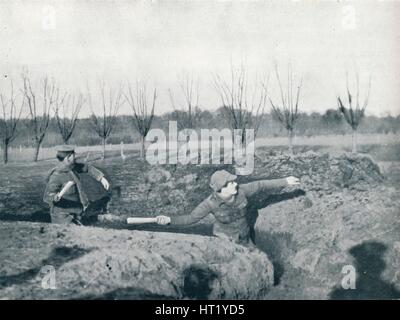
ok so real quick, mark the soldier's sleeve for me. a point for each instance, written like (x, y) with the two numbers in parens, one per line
(201, 211)
(52, 188)
(263, 185)
(94, 172)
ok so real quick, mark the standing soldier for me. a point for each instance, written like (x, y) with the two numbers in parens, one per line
(228, 204)
(65, 193)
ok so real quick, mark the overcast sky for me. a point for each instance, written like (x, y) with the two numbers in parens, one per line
(156, 41)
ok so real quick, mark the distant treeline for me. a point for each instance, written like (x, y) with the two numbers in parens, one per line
(331, 122)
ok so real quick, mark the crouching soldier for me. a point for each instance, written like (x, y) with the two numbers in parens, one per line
(228, 204)
(65, 193)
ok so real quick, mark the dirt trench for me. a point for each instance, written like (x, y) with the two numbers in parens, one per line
(298, 229)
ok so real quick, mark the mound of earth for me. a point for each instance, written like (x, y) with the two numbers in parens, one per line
(47, 261)
(310, 239)
(321, 173)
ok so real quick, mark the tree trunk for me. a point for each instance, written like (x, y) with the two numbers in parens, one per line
(290, 137)
(5, 145)
(104, 148)
(354, 141)
(142, 147)
(37, 148)
(243, 138)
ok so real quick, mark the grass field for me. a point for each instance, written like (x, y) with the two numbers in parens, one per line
(333, 142)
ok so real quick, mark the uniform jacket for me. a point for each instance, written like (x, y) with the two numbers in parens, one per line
(75, 199)
(230, 218)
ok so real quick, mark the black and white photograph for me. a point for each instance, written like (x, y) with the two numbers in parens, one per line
(219, 150)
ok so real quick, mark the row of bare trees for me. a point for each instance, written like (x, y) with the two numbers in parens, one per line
(243, 106)
(47, 97)
(244, 110)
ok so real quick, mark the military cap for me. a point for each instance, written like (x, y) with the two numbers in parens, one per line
(65, 150)
(220, 178)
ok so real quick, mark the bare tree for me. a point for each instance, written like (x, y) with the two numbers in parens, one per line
(104, 123)
(11, 115)
(66, 112)
(143, 115)
(242, 108)
(288, 112)
(187, 116)
(39, 107)
(354, 113)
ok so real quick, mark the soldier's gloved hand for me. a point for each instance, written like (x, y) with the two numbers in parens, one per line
(105, 183)
(293, 181)
(163, 220)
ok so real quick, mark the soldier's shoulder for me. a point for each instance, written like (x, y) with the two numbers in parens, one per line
(51, 175)
(213, 201)
(241, 195)
(50, 172)
(57, 170)
(241, 189)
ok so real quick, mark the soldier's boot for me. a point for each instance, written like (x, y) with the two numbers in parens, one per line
(62, 218)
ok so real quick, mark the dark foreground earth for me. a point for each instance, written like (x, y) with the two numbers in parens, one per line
(346, 213)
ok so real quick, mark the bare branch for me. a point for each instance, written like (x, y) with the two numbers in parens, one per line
(242, 109)
(354, 114)
(110, 102)
(40, 117)
(11, 115)
(143, 115)
(188, 115)
(67, 109)
(288, 112)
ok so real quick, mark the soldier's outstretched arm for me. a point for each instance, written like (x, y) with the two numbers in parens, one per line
(263, 185)
(98, 175)
(201, 211)
(94, 172)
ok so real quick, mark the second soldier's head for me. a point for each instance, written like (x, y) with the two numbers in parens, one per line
(224, 184)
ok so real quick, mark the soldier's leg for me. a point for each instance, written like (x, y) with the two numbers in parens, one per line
(91, 215)
(62, 217)
(89, 219)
